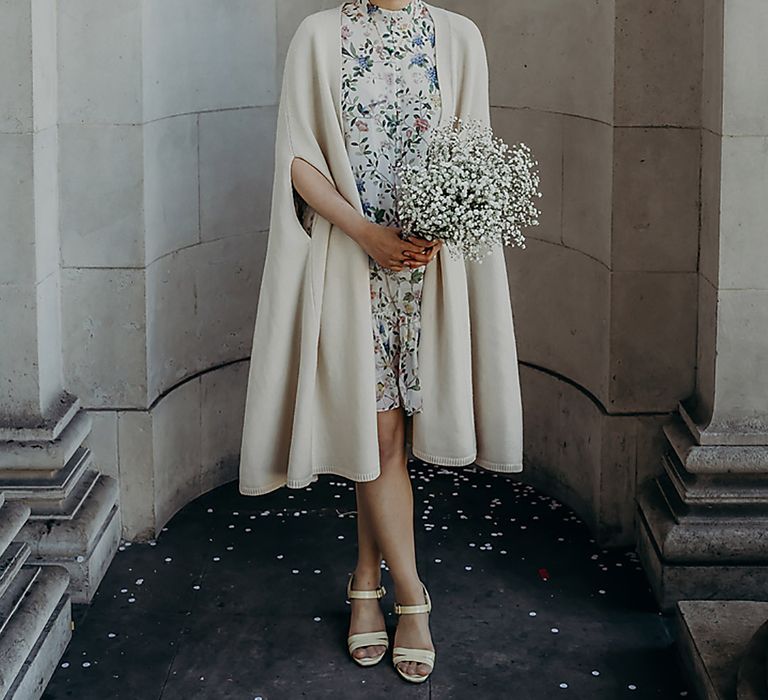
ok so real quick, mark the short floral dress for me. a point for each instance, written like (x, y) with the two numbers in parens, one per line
(391, 102)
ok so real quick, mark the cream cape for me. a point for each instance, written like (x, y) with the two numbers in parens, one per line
(310, 404)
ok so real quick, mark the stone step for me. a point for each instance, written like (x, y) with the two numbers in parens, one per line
(12, 519)
(11, 561)
(713, 636)
(84, 543)
(35, 628)
(752, 678)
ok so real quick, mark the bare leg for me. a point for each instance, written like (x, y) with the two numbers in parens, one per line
(387, 503)
(366, 613)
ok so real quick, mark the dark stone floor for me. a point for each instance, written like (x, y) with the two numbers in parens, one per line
(243, 598)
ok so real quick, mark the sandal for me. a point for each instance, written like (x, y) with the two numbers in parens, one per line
(364, 639)
(421, 656)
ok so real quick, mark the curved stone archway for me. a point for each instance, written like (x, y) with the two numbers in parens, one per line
(160, 258)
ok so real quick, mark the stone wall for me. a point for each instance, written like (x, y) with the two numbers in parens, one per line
(162, 135)
(167, 137)
(608, 95)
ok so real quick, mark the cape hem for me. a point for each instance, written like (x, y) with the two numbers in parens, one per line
(510, 467)
(301, 483)
(424, 457)
(513, 468)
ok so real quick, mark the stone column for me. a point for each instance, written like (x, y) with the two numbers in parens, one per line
(703, 523)
(74, 517)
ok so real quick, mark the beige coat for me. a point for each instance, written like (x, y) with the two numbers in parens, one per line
(311, 405)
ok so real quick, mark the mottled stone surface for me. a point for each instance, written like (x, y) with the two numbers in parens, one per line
(714, 634)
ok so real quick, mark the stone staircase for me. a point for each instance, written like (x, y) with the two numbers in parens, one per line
(35, 611)
(60, 527)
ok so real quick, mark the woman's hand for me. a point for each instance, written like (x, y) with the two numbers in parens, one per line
(384, 245)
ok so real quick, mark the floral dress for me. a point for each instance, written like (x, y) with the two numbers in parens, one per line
(390, 102)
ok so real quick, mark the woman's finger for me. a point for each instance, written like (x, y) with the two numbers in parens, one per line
(422, 242)
(416, 247)
(416, 257)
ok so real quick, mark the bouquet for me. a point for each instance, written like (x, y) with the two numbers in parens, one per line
(472, 191)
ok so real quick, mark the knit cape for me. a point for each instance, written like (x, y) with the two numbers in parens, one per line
(310, 402)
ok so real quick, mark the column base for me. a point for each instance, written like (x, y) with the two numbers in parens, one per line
(704, 534)
(74, 516)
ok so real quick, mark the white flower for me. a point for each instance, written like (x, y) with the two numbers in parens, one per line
(472, 191)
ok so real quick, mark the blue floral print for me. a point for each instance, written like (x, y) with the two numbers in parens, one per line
(391, 101)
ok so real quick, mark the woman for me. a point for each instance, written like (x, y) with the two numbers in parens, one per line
(359, 333)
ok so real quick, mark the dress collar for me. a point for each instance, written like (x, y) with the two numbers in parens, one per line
(371, 8)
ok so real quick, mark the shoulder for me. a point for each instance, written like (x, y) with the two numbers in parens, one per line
(464, 30)
(462, 27)
(317, 21)
(311, 33)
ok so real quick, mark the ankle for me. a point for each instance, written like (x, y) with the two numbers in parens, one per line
(409, 591)
(366, 578)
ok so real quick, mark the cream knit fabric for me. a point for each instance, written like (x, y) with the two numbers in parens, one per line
(310, 404)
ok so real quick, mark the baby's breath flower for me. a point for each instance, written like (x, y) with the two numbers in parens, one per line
(472, 191)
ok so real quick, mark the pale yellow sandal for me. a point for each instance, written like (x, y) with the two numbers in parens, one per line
(421, 656)
(364, 639)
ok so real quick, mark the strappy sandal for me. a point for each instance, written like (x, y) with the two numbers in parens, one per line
(421, 656)
(365, 639)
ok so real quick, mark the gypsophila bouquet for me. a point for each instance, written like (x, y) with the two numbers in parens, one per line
(472, 191)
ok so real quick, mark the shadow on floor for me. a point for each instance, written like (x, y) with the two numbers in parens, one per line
(243, 598)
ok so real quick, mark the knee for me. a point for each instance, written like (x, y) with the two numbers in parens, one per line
(391, 449)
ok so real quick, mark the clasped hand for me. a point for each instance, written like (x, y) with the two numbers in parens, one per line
(384, 245)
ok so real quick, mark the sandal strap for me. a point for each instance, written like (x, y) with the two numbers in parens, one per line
(375, 593)
(412, 609)
(421, 656)
(367, 639)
